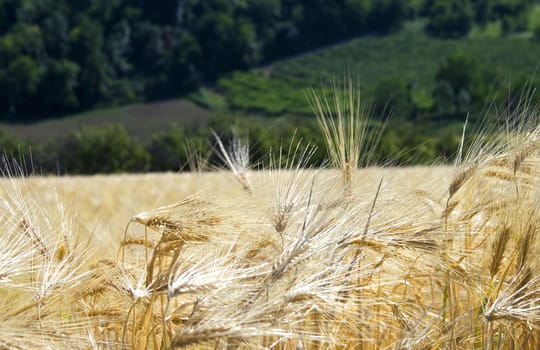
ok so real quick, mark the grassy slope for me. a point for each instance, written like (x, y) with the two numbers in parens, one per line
(409, 56)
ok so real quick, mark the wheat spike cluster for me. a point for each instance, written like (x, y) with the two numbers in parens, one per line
(292, 257)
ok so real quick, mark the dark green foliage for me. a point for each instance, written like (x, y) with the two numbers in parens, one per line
(484, 10)
(102, 150)
(515, 94)
(175, 149)
(515, 23)
(387, 15)
(267, 135)
(165, 13)
(21, 40)
(19, 81)
(444, 98)
(406, 143)
(8, 14)
(463, 84)
(536, 33)
(227, 39)
(449, 18)
(180, 72)
(393, 96)
(57, 90)
(513, 13)
(86, 49)
(147, 50)
(10, 146)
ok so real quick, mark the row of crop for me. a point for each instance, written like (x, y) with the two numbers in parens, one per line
(417, 76)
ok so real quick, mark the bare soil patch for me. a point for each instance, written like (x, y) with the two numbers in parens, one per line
(141, 120)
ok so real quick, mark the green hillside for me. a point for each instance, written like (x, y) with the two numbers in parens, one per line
(410, 57)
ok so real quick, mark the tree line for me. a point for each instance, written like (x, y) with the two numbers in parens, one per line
(60, 56)
(111, 149)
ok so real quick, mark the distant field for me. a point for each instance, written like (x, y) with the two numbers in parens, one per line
(107, 202)
(409, 56)
(412, 57)
(141, 120)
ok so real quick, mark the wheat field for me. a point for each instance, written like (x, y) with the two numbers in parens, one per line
(340, 257)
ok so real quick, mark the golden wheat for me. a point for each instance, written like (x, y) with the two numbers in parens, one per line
(294, 258)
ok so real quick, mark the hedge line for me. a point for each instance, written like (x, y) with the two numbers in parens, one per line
(111, 149)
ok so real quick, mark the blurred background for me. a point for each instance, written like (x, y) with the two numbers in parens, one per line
(104, 86)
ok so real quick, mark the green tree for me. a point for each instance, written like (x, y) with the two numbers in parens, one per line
(356, 14)
(56, 35)
(484, 10)
(513, 14)
(86, 49)
(168, 150)
(19, 82)
(460, 70)
(121, 88)
(265, 15)
(171, 149)
(57, 91)
(22, 39)
(468, 79)
(167, 13)
(444, 98)
(11, 146)
(147, 48)
(387, 15)
(449, 18)
(287, 37)
(51, 16)
(107, 12)
(21, 68)
(536, 33)
(107, 149)
(8, 14)
(321, 22)
(515, 23)
(181, 68)
(226, 37)
(393, 96)
(118, 46)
